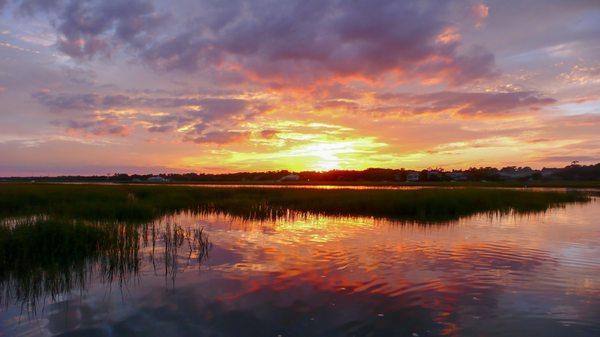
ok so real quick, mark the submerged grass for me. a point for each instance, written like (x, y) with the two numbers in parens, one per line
(137, 203)
(49, 257)
(46, 256)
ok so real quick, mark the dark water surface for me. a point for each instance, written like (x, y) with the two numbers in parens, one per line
(534, 275)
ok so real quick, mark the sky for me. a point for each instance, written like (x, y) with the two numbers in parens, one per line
(141, 86)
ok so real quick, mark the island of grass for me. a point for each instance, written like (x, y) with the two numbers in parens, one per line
(139, 203)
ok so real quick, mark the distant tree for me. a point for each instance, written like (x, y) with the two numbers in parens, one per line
(424, 175)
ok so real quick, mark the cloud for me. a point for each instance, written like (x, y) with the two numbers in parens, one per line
(309, 41)
(219, 137)
(67, 102)
(89, 28)
(32, 7)
(268, 134)
(200, 119)
(160, 128)
(283, 43)
(480, 11)
(209, 107)
(468, 103)
(216, 108)
(98, 127)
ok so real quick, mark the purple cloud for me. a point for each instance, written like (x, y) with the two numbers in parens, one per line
(89, 28)
(219, 137)
(310, 40)
(209, 122)
(291, 42)
(98, 127)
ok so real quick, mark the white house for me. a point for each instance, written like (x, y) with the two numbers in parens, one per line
(458, 176)
(157, 179)
(290, 177)
(412, 176)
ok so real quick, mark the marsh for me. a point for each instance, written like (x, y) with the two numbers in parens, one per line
(122, 260)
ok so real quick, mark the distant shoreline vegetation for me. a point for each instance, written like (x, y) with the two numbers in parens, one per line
(571, 175)
(142, 203)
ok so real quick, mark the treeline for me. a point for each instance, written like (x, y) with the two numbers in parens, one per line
(512, 173)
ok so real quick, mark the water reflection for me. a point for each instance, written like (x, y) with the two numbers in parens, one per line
(503, 275)
(44, 259)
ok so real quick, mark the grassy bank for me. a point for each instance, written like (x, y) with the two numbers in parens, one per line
(139, 203)
(594, 184)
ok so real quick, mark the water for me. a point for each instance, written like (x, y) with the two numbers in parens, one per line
(321, 276)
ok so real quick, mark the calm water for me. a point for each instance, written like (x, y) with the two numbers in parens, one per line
(321, 276)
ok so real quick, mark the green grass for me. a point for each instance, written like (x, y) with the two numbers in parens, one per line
(137, 203)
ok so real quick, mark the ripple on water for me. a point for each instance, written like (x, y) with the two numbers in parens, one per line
(324, 276)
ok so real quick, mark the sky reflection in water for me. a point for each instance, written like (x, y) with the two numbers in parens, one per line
(482, 275)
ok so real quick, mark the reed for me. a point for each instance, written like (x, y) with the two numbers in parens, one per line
(135, 203)
(42, 258)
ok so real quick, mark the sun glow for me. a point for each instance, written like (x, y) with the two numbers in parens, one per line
(320, 155)
(326, 154)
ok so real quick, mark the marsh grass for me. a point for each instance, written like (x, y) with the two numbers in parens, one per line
(55, 237)
(134, 203)
(49, 257)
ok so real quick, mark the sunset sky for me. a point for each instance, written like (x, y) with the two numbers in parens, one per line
(105, 86)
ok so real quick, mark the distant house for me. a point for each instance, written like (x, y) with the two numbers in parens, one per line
(412, 176)
(457, 176)
(434, 174)
(157, 179)
(290, 177)
(548, 172)
(510, 173)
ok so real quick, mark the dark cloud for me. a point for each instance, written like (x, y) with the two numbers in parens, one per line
(291, 42)
(219, 137)
(60, 103)
(210, 108)
(31, 7)
(89, 28)
(95, 27)
(99, 127)
(310, 40)
(216, 108)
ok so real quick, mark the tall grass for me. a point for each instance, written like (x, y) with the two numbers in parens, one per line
(143, 203)
(48, 257)
(72, 232)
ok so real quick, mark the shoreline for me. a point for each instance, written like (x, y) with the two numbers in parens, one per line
(336, 184)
